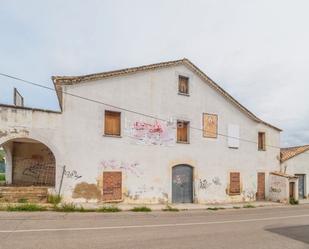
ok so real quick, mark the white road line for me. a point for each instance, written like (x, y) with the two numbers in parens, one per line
(150, 226)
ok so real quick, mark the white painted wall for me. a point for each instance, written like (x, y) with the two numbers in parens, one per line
(77, 136)
(299, 165)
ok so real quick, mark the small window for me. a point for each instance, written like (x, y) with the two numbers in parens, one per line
(261, 141)
(112, 123)
(234, 183)
(183, 85)
(182, 132)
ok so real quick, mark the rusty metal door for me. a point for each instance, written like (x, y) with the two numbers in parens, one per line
(301, 185)
(182, 184)
(260, 195)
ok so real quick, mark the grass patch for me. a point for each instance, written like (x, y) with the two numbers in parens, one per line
(248, 206)
(71, 207)
(170, 209)
(108, 209)
(54, 199)
(22, 200)
(215, 208)
(236, 207)
(293, 201)
(2, 177)
(29, 207)
(141, 209)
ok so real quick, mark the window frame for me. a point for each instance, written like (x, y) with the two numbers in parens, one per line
(112, 135)
(188, 131)
(188, 83)
(230, 181)
(262, 147)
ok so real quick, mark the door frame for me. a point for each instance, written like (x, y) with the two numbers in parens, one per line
(171, 181)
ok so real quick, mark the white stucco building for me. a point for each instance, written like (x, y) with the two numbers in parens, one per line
(160, 133)
(295, 161)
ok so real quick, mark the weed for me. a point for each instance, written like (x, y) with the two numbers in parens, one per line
(67, 207)
(2, 177)
(236, 207)
(141, 209)
(215, 208)
(54, 199)
(248, 206)
(22, 200)
(170, 209)
(293, 201)
(29, 207)
(108, 209)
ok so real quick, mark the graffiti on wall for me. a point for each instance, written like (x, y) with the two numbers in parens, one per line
(72, 174)
(248, 195)
(205, 184)
(132, 168)
(156, 133)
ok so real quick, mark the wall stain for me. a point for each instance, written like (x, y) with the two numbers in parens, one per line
(87, 191)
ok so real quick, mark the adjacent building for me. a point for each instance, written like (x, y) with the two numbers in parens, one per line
(160, 133)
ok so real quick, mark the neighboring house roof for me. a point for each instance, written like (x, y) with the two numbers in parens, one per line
(288, 153)
(59, 81)
(283, 175)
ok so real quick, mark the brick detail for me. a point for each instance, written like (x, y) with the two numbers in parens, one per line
(112, 186)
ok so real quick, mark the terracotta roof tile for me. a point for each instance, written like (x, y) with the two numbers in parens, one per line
(288, 153)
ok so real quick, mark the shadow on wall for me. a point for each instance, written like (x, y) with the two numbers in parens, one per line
(299, 233)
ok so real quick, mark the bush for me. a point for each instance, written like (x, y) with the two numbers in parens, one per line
(26, 207)
(54, 199)
(141, 209)
(109, 209)
(293, 201)
(170, 209)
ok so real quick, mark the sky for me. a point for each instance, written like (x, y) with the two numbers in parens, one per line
(256, 50)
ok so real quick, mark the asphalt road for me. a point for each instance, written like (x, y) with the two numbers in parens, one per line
(268, 228)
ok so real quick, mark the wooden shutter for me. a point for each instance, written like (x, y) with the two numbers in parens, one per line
(112, 186)
(261, 141)
(182, 131)
(210, 125)
(234, 183)
(183, 85)
(112, 123)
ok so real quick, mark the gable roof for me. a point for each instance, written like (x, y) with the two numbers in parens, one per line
(59, 81)
(288, 153)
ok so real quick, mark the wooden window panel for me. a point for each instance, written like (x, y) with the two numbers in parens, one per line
(182, 131)
(261, 141)
(210, 125)
(183, 85)
(234, 183)
(112, 123)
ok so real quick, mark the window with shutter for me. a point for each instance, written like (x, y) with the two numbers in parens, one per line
(261, 141)
(234, 183)
(183, 85)
(112, 123)
(182, 132)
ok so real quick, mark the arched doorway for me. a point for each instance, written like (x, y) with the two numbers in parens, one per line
(29, 162)
(182, 184)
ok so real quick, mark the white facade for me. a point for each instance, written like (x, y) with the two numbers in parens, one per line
(299, 166)
(76, 137)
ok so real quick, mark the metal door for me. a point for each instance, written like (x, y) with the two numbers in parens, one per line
(301, 185)
(260, 195)
(182, 184)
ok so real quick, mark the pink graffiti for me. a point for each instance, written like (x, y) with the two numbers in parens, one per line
(126, 167)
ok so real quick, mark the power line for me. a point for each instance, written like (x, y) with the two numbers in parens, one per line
(125, 109)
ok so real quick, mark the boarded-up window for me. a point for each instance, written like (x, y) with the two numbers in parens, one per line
(261, 141)
(233, 136)
(210, 125)
(112, 186)
(183, 84)
(182, 131)
(234, 183)
(18, 99)
(112, 123)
